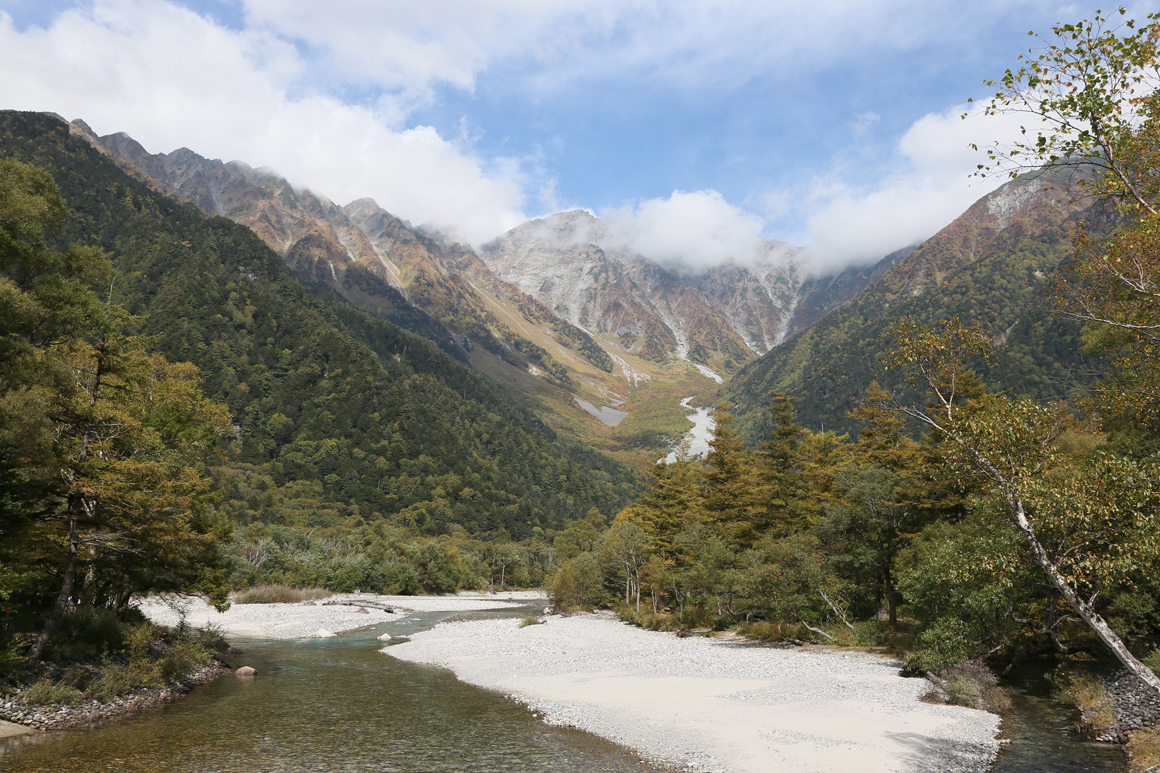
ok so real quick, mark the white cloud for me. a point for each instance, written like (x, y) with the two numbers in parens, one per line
(408, 47)
(170, 77)
(692, 231)
(930, 187)
(270, 95)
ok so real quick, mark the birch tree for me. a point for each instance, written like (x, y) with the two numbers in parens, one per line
(1086, 522)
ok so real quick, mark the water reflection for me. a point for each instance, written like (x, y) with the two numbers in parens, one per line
(326, 705)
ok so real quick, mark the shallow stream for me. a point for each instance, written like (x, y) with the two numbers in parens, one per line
(340, 706)
(326, 706)
(1037, 733)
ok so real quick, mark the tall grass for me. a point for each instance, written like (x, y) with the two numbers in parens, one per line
(1144, 750)
(279, 594)
(1086, 692)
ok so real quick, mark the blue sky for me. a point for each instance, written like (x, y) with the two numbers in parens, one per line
(705, 124)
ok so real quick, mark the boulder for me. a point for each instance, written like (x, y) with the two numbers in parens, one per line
(385, 637)
(245, 672)
(322, 633)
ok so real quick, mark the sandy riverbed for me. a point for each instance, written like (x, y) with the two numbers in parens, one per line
(303, 620)
(712, 705)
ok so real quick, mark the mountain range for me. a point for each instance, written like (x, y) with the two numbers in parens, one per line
(603, 343)
(550, 308)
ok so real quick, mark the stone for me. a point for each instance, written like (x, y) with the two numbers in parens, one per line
(322, 633)
(363, 611)
(385, 637)
(245, 672)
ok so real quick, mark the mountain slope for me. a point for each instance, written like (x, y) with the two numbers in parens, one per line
(339, 415)
(992, 265)
(718, 319)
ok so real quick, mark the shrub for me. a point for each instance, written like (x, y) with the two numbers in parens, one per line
(113, 680)
(1152, 660)
(87, 630)
(279, 594)
(770, 631)
(975, 686)
(869, 633)
(531, 620)
(944, 644)
(653, 621)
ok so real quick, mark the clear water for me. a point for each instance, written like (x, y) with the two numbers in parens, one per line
(1037, 732)
(339, 705)
(327, 706)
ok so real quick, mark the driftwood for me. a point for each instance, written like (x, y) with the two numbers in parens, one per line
(371, 604)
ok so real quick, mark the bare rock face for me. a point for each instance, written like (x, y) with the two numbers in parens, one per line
(720, 318)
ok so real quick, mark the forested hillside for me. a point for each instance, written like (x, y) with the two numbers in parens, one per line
(994, 265)
(338, 417)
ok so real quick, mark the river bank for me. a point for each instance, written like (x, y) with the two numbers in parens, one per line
(17, 719)
(709, 705)
(303, 620)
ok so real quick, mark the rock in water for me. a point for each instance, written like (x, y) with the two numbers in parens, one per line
(322, 633)
(385, 637)
(245, 672)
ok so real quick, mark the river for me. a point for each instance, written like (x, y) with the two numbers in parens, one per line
(326, 706)
(330, 705)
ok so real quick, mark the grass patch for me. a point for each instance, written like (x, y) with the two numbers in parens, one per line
(279, 594)
(1144, 750)
(531, 620)
(46, 692)
(1086, 692)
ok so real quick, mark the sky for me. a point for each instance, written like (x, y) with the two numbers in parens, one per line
(700, 128)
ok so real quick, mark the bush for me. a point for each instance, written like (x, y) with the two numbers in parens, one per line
(88, 630)
(975, 686)
(770, 631)
(653, 621)
(112, 680)
(1152, 660)
(944, 644)
(869, 633)
(279, 594)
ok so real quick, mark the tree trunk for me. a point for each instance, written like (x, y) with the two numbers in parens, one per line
(77, 506)
(891, 599)
(70, 572)
(1081, 607)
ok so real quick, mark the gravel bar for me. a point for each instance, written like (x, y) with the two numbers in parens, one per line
(702, 704)
(310, 619)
